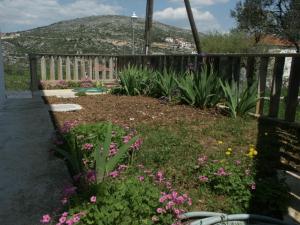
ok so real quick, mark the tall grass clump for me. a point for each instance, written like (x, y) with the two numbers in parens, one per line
(239, 104)
(135, 81)
(165, 84)
(200, 90)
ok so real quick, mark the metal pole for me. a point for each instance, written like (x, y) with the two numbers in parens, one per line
(193, 25)
(133, 18)
(148, 25)
(2, 85)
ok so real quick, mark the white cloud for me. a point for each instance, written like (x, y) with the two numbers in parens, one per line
(178, 16)
(202, 2)
(32, 13)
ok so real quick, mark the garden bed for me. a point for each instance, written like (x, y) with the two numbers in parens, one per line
(176, 140)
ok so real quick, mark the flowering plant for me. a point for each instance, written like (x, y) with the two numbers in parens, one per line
(230, 177)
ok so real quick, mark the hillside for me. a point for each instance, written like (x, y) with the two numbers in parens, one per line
(95, 34)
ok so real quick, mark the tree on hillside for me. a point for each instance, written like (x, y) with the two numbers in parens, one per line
(275, 17)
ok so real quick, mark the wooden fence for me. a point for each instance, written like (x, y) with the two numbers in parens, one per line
(268, 69)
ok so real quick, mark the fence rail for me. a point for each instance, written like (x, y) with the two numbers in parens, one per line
(272, 71)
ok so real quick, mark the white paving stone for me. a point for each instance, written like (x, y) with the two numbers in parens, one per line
(64, 107)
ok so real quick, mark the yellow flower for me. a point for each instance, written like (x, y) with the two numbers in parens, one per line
(220, 142)
(229, 149)
(254, 152)
(228, 153)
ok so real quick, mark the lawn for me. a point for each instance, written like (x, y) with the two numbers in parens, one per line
(213, 159)
(15, 82)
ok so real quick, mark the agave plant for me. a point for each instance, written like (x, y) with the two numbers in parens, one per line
(166, 84)
(201, 90)
(104, 164)
(239, 104)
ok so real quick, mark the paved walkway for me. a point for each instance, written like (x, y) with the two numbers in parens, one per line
(30, 178)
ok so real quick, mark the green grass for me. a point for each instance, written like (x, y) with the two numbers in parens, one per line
(175, 149)
(14, 82)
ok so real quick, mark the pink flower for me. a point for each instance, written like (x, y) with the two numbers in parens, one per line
(141, 178)
(203, 179)
(221, 172)
(69, 190)
(170, 205)
(113, 149)
(68, 125)
(159, 176)
(202, 160)
(76, 219)
(126, 139)
(162, 199)
(114, 174)
(190, 202)
(137, 145)
(87, 146)
(64, 201)
(141, 166)
(77, 177)
(238, 162)
(160, 210)
(91, 176)
(62, 219)
(253, 186)
(65, 214)
(46, 218)
(93, 199)
(122, 167)
(69, 222)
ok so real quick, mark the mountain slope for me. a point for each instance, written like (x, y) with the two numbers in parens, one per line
(95, 34)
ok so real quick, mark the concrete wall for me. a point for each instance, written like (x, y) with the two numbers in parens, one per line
(2, 86)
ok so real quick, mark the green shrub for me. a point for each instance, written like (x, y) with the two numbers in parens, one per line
(239, 104)
(199, 90)
(127, 201)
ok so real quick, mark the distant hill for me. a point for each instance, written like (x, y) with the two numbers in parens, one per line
(96, 34)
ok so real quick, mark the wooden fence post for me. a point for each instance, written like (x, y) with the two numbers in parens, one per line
(250, 70)
(43, 68)
(75, 68)
(276, 86)
(68, 68)
(52, 68)
(293, 91)
(60, 70)
(262, 78)
(34, 83)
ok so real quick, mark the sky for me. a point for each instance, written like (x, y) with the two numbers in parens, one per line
(210, 15)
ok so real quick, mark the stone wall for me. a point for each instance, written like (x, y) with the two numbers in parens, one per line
(2, 86)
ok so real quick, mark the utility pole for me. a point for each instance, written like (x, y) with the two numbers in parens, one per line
(148, 25)
(193, 25)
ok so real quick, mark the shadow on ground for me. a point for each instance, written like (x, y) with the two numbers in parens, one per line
(278, 162)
